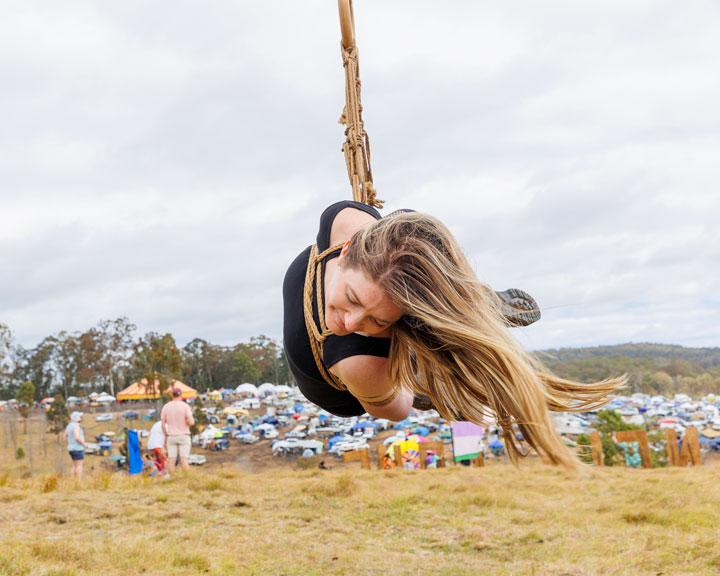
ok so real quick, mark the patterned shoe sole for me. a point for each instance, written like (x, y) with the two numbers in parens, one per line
(519, 308)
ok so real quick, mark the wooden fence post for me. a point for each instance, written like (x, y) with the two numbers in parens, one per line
(361, 455)
(598, 455)
(690, 452)
(382, 450)
(439, 448)
(639, 436)
(672, 447)
(397, 454)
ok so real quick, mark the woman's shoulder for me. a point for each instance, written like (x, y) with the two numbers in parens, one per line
(341, 220)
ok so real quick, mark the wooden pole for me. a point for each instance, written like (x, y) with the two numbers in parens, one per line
(639, 436)
(690, 453)
(596, 447)
(672, 447)
(397, 453)
(439, 448)
(361, 455)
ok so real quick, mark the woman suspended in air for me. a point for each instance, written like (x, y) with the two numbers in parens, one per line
(383, 311)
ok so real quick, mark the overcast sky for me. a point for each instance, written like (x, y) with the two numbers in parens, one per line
(165, 161)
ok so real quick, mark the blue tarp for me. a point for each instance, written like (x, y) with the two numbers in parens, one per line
(299, 407)
(134, 459)
(422, 430)
(334, 440)
(363, 425)
(402, 424)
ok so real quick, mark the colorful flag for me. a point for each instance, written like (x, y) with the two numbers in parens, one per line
(467, 440)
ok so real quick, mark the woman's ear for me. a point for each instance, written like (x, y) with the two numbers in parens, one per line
(343, 252)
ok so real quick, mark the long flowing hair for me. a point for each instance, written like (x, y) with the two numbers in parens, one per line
(452, 343)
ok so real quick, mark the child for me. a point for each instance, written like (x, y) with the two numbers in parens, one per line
(156, 446)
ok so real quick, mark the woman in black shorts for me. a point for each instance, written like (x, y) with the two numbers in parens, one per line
(75, 438)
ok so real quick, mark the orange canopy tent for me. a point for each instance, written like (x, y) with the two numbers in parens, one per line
(141, 391)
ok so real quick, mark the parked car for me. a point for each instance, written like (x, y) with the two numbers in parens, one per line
(196, 459)
(103, 417)
(249, 438)
(130, 415)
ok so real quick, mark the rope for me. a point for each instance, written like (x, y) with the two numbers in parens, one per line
(317, 335)
(357, 145)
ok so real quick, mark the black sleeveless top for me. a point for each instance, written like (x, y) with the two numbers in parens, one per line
(335, 348)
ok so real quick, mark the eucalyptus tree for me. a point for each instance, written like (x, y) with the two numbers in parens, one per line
(156, 358)
(6, 363)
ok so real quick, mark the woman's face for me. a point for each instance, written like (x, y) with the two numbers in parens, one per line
(357, 304)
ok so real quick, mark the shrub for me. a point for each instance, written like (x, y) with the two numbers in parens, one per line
(307, 463)
(19, 453)
(50, 483)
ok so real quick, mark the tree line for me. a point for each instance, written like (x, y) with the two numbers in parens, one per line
(108, 357)
(651, 368)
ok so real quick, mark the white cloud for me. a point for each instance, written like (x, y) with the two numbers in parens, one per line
(167, 161)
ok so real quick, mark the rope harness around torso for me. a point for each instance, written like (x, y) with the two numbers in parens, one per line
(314, 291)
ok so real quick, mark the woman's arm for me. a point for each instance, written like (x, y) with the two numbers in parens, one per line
(367, 377)
(76, 433)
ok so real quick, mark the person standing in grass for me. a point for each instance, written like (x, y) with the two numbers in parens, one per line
(75, 438)
(176, 418)
(156, 446)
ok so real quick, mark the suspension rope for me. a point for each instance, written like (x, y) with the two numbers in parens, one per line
(357, 144)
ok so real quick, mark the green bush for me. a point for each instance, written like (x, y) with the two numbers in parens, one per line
(19, 453)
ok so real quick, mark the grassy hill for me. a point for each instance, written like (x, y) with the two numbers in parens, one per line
(452, 521)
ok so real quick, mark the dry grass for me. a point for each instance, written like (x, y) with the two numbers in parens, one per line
(458, 520)
(493, 520)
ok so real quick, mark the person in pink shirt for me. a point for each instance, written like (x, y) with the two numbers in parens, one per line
(176, 418)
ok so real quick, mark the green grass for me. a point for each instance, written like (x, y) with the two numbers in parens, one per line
(492, 520)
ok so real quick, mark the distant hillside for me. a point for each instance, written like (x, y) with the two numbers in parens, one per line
(651, 368)
(704, 357)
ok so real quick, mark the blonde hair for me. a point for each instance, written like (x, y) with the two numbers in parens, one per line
(452, 343)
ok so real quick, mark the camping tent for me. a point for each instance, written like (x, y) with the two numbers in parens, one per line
(141, 391)
(266, 388)
(247, 388)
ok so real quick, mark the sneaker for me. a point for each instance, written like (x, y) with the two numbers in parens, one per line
(518, 307)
